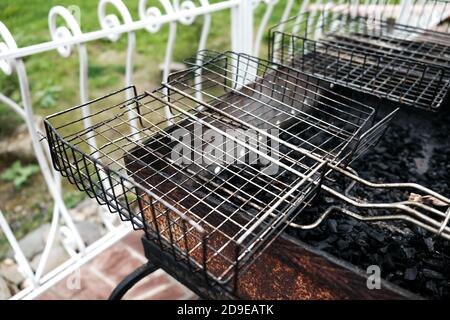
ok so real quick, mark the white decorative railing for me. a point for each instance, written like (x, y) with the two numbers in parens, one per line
(68, 37)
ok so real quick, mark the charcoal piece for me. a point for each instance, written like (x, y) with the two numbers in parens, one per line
(434, 263)
(322, 245)
(342, 244)
(383, 166)
(353, 222)
(429, 242)
(431, 286)
(428, 273)
(375, 257)
(332, 238)
(332, 225)
(420, 231)
(391, 177)
(362, 235)
(409, 252)
(384, 249)
(388, 262)
(376, 235)
(344, 228)
(363, 251)
(411, 274)
(396, 250)
(329, 200)
(381, 149)
(363, 244)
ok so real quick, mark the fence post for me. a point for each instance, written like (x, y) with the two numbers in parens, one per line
(242, 27)
(242, 38)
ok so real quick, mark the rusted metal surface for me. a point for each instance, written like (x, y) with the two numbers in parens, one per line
(290, 269)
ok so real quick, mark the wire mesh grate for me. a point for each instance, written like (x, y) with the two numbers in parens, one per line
(405, 64)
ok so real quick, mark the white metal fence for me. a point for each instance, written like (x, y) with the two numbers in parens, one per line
(68, 39)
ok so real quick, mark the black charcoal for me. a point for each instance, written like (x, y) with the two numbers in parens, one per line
(332, 225)
(414, 259)
(411, 274)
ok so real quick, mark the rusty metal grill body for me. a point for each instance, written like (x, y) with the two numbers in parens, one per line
(404, 64)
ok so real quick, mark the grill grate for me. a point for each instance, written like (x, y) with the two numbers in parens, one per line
(407, 65)
(203, 214)
(330, 124)
(217, 210)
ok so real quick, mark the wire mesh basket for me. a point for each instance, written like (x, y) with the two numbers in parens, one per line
(203, 218)
(216, 163)
(324, 121)
(406, 64)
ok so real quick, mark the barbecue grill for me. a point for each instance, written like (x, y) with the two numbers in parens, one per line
(160, 160)
(221, 162)
(371, 52)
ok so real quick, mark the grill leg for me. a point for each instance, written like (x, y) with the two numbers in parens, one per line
(129, 281)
